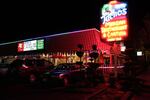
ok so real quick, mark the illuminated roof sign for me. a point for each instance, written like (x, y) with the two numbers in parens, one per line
(114, 25)
(31, 45)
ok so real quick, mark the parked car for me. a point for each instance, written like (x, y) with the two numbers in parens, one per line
(66, 74)
(94, 73)
(4, 70)
(29, 69)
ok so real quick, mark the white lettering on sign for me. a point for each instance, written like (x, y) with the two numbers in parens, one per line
(115, 11)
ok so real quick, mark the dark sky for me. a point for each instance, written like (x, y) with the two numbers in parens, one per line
(23, 20)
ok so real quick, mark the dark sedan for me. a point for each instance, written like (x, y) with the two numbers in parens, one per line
(66, 73)
(29, 69)
(4, 70)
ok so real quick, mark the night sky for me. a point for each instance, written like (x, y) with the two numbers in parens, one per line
(22, 20)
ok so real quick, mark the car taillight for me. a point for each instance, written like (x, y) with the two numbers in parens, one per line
(61, 75)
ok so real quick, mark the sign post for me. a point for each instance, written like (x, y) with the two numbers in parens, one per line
(114, 26)
(115, 59)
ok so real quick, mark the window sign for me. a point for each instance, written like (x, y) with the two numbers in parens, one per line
(31, 45)
(20, 47)
(40, 44)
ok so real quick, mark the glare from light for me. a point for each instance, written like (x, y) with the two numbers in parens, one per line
(139, 53)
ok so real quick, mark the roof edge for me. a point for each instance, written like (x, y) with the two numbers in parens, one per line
(41, 37)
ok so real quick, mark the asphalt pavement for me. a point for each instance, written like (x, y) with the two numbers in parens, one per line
(100, 92)
(145, 93)
(118, 94)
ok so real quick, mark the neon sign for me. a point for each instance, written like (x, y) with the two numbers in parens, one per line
(20, 47)
(31, 45)
(114, 21)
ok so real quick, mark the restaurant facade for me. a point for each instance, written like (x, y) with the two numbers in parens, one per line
(62, 48)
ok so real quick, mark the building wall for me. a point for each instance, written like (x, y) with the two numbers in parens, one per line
(64, 43)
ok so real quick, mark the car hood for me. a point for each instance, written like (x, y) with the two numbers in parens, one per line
(58, 72)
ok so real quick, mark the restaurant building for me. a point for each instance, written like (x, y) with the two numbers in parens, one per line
(60, 48)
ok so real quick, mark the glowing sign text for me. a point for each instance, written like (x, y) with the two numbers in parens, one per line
(114, 22)
(113, 14)
(31, 45)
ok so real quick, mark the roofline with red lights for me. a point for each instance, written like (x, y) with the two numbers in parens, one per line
(47, 36)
